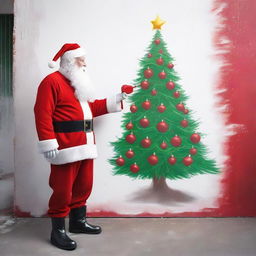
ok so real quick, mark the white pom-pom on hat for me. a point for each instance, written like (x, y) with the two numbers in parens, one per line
(52, 64)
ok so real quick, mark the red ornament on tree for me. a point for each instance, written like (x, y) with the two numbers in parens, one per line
(180, 107)
(134, 168)
(129, 126)
(148, 73)
(176, 94)
(146, 104)
(193, 151)
(154, 92)
(120, 161)
(163, 145)
(129, 153)
(184, 123)
(145, 143)
(195, 137)
(172, 160)
(185, 111)
(161, 108)
(160, 61)
(170, 65)
(133, 108)
(144, 84)
(160, 51)
(157, 41)
(162, 75)
(162, 126)
(176, 141)
(153, 159)
(130, 138)
(170, 85)
(144, 122)
(187, 160)
(149, 55)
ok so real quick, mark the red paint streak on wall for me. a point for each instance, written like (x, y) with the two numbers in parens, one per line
(205, 213)
(239, 80)
(21, 214)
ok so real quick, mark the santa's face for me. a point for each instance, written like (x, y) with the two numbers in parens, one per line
(80, 61)
(75, 70)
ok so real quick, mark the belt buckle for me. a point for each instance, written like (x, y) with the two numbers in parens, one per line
(86, 125)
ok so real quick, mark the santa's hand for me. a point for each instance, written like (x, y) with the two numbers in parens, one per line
(127, 88)
(51, 154)
(120, 96)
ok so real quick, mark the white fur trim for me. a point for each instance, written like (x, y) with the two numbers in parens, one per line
(86, 109)
(73, 154)
(46, 145)
(74, 53)
(112, 105)
(90, 138)
(52, 64)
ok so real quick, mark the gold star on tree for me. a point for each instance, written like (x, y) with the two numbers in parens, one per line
(157, 23)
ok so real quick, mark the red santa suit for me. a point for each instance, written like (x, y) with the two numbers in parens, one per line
(72, 169)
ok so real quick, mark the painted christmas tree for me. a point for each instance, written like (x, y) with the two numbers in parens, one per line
(160, 139)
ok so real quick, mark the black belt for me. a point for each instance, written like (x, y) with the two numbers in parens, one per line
(73, 126)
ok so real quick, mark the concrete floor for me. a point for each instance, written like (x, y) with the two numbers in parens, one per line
(136, 237)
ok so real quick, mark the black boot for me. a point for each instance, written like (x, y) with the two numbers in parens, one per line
(59, 238)
(78, 223)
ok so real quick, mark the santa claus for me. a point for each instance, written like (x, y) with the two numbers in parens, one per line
(64, 111)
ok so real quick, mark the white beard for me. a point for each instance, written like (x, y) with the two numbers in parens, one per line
(80, 80)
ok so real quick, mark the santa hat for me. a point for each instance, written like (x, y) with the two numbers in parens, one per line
(69, 51)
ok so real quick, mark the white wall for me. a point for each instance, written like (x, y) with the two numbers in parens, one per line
(115, 34)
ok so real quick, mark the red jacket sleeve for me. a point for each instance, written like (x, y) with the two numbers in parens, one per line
(99, 107)
(105, 106)
(44, 107)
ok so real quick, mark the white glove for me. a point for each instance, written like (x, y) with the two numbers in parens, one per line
(120, 96)
(51, 154)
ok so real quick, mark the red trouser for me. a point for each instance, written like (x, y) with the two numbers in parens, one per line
(71, 184)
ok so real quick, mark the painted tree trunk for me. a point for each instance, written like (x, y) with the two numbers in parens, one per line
(159, 184)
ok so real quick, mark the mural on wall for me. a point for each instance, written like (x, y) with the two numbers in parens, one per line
(212, 42)
(160, 139)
